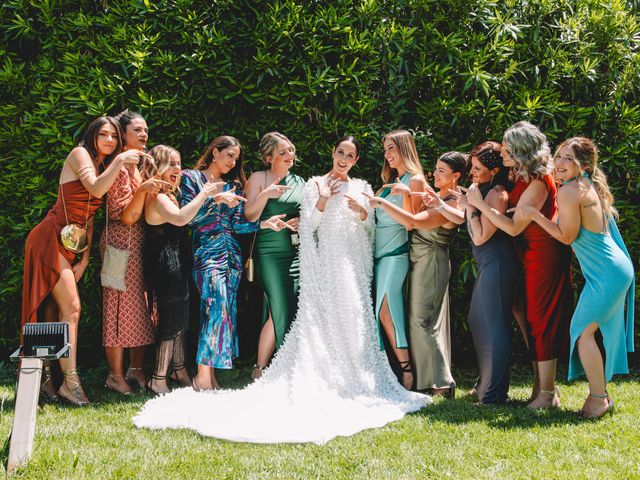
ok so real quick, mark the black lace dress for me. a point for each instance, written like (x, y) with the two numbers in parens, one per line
(167, 275)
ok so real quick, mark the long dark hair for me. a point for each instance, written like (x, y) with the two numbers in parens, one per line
(222, 143)
(89, 140)
(488, 153)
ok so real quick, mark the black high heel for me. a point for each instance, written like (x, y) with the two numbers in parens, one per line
(405, 367)
(150, 389)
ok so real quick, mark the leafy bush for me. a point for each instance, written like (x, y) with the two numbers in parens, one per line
(456, 72)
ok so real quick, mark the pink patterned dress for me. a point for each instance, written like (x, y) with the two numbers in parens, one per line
(126, 319)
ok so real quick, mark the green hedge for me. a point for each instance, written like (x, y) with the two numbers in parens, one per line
(456, 72)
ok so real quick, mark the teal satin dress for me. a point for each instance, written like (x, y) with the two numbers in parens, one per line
(609, 284)
(391, 258)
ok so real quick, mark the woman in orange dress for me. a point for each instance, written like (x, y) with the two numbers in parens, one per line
(49, 291)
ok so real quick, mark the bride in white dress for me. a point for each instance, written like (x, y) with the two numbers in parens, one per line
(329, 378)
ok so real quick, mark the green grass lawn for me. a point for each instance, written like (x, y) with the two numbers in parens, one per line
(449, 439)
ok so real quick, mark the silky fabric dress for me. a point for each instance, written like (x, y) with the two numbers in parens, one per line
(609, 283)
(491, 312)
(391, 258)
(329, 377)
(41, 262)
(546, 271)
(127, 319)
(217, 268)
(428, 305)
(276, 259)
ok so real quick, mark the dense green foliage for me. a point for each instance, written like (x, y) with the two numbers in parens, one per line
(456, 72)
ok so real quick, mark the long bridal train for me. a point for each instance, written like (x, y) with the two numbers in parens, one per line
(329, 378)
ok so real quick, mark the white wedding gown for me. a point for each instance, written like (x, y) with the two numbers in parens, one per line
(329, 378)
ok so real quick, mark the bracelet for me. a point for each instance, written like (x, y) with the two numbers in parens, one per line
(475, 213)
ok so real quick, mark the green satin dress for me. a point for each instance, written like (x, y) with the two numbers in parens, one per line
(277, 263)
(429, 307)
(391, 259)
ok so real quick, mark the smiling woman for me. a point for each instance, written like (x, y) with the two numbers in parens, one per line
(49, 291)
(165, 272)
(217, 262)
(127, 319)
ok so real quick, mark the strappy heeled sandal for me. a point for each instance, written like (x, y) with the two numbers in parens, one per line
(609, 409)
(47, 388)
(114, 388)
(174, 376)
(256, 373)
(149, 384)
(405, 367)
(555, 398)
(75, 395)
(133, 381)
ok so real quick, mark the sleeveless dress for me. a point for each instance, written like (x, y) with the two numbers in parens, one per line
(546, 269)
(41, 265)
(609, 282)
(217, 268)
(127, 320)
(391, 259)
(167, 278)
(491, 313)
(276, 259)
(429, 330)
(329, 377)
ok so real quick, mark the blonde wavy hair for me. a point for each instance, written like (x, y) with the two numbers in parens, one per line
(268, 144)
(407, 146)
(529, 149)
(161, 163)
(586, 153)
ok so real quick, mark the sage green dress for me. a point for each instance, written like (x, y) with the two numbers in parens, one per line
(428, 301)
(391, 258)
(277, 263)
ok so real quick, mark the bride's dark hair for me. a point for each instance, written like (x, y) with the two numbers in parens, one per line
(351, 139)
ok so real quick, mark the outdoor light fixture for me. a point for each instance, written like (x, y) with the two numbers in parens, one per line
(40, 341)
(46, 341)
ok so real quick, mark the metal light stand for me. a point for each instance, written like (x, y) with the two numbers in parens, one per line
(41, 341)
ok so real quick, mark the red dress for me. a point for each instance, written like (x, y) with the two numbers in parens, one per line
(41, 263)
(547, 279)
(126, 317)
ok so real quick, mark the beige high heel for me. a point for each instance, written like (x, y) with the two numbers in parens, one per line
(47, 388)
(135, 382)
(74, 395)
(115, 388)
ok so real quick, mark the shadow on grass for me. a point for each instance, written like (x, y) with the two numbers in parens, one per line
(514, 416)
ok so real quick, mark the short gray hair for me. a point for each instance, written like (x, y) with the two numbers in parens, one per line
(529, 149)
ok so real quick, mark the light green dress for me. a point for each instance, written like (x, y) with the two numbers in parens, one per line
(277, 263)
(391, 265)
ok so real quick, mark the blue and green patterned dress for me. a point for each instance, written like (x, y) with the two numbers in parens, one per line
(217, 269)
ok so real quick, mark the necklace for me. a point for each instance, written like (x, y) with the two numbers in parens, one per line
(447, 198)
(564, 182)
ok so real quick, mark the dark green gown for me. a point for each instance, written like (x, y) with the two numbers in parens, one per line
(277, 263)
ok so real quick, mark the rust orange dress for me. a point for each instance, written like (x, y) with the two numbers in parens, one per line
(547, 284)
(41, 264)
